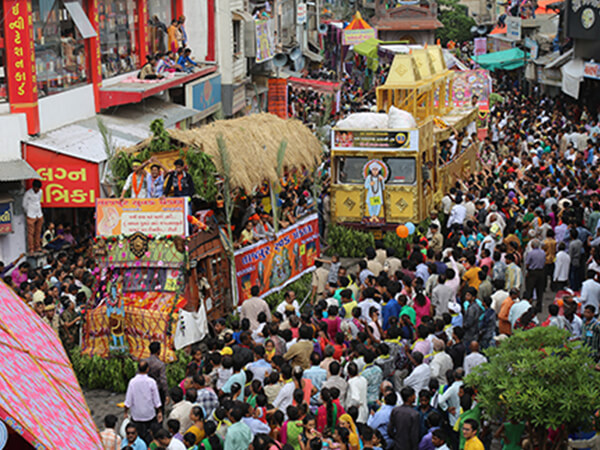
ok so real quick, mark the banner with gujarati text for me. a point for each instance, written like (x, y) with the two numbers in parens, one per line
(354, 37)
(151, 216)
(67, 182)
(272, 264)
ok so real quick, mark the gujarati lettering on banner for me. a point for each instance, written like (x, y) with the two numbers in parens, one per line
(272, 264)
(66, 181)
(354, 37)
(150, 216)
(20, 62)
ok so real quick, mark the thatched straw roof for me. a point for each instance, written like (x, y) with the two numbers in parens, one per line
(253, 143)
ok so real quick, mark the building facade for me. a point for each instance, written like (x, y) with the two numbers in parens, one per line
(63, 65)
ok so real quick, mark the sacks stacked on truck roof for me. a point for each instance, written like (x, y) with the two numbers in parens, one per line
(395, 119)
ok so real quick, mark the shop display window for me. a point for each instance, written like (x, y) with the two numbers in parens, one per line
(59, 32)
(118, 34)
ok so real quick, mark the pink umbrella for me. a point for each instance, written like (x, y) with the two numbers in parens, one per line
(40, 397)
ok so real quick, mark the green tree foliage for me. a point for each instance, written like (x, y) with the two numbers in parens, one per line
(540, 377)
(456, 21)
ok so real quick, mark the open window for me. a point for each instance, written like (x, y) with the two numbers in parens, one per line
(59, 30)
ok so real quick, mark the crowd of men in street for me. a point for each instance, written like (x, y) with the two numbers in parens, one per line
(378, 357)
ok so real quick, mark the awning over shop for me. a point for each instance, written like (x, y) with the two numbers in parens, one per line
(546, 59)
(127, 125)
(40, 397)
(17, 170)
(560, 60)
(369, 49)
(133, 90)
(506, 59)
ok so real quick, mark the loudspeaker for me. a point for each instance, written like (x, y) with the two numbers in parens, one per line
(322, 29)
(280, 60)
(296, 54)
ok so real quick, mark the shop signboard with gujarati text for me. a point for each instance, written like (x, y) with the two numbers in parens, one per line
(150, 216)
(354, 37)
(272, 264)
(6, 217)
(20, 62)
(67, 182)
(375, 139)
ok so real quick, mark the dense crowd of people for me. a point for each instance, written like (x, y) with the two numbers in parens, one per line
(378, 357)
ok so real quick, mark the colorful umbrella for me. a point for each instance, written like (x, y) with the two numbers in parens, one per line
(40, 397)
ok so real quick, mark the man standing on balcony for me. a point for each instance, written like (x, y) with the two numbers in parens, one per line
(32, 205)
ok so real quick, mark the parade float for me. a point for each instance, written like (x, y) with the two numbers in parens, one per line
(386, 168)
(164, 270)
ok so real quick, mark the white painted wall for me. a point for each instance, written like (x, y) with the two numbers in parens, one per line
(67, 107)
(225, 39)
(13, 128)
(196, 27)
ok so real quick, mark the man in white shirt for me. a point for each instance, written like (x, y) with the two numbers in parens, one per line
(561, 266)
(419, 377)
(357, 393)
(136, 182)
(167, 441)
(590, 291)
(458, 213)
(450, 400)
(32, 206)
(441, 362)
(289, 303)
(474, 358)
(499, 296)
(252, 307)
(181, 408)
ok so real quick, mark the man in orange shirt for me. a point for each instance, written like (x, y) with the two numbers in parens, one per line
(471, 276)
(504, 326)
